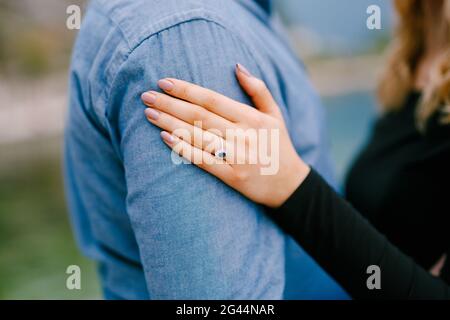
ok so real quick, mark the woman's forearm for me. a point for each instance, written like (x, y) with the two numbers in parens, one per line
(345, 245)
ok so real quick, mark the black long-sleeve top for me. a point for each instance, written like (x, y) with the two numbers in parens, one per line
(401, 183)
(345, 244)
(399, 217)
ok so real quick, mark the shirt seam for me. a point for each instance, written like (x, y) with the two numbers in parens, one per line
(198, 14)
(106, 92)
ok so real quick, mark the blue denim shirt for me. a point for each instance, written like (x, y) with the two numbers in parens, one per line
(163, 231)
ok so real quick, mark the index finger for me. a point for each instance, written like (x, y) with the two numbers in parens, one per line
(214, 102)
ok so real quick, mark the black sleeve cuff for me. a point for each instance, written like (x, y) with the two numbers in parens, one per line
(287, 216)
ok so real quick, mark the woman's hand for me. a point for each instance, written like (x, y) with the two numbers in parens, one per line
(249, 149)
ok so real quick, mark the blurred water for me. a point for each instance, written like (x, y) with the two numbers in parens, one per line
(340, 26)
(350, 118)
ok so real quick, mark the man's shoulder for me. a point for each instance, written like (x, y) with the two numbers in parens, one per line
(138, 20)
(121, 35)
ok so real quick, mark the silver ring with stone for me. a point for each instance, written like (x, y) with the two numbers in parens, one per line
(221, 153)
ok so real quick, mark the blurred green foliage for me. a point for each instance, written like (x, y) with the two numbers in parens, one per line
(36, 242)
(32, 53)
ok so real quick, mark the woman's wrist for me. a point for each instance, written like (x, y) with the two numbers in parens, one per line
(294, 177)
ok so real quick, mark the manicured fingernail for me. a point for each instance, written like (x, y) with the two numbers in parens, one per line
(151, 114)
(167, 137)
(165, 84)
(149, 97)
(243, 69)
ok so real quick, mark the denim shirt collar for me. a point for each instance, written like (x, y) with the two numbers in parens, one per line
(260, 7)
(265, 4)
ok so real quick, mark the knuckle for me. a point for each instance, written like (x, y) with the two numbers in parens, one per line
(278, 123)
(177, 148)
(169, 103)
(210, 100)
(271, 122)
(241, 176)
(250, 140)
(162, 102)
(258, 121)
(260, 86)
(197, 115)
(159, 100)
(184, 90)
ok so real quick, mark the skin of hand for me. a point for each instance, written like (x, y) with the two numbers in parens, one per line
(197, 122)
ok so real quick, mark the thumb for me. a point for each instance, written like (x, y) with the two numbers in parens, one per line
(257, 91)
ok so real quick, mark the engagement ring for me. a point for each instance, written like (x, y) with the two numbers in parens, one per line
(221, 154)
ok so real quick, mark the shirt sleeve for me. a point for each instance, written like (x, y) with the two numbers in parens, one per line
(197, 237)
(345, 245)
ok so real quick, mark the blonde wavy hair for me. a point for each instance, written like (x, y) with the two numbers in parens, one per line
(407, 47)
